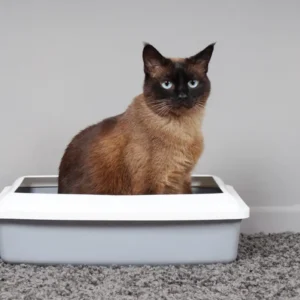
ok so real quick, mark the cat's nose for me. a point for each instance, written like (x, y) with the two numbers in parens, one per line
(182, 96)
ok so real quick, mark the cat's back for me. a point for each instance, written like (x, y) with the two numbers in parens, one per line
(85, 147)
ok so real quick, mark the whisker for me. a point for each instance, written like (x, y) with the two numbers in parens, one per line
(200, 105)
(162, 108)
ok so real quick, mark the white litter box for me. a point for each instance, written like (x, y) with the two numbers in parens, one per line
(39, 226)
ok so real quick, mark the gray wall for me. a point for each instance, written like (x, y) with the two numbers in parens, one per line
(67, 64)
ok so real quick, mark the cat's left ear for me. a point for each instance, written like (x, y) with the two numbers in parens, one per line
(203, 57)
(153, 59)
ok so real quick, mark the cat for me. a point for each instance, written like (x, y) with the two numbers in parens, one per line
(154, 145)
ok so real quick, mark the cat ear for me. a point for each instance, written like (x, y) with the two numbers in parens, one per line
(152, 58)
(203, 57)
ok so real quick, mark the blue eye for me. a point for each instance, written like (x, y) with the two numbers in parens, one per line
(193, 83)
(167, 85)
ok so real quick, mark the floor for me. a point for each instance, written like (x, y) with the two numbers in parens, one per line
(268, 267)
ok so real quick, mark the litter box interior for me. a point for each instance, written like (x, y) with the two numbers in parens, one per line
(200, 185)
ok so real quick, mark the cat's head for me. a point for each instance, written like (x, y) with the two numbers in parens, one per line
(176, 86)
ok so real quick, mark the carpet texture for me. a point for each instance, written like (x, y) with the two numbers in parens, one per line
(268, 267)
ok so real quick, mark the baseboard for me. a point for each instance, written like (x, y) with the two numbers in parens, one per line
(272, 220)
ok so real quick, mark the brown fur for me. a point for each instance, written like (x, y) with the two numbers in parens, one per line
(137, 152)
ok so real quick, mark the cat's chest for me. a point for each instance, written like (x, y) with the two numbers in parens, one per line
(176, 156)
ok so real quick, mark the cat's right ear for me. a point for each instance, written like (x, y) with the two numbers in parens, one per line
(152, 58)
(203, 57)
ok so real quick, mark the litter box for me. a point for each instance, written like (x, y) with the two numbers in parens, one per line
(39, 226)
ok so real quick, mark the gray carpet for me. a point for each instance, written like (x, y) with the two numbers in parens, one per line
(268, 267)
